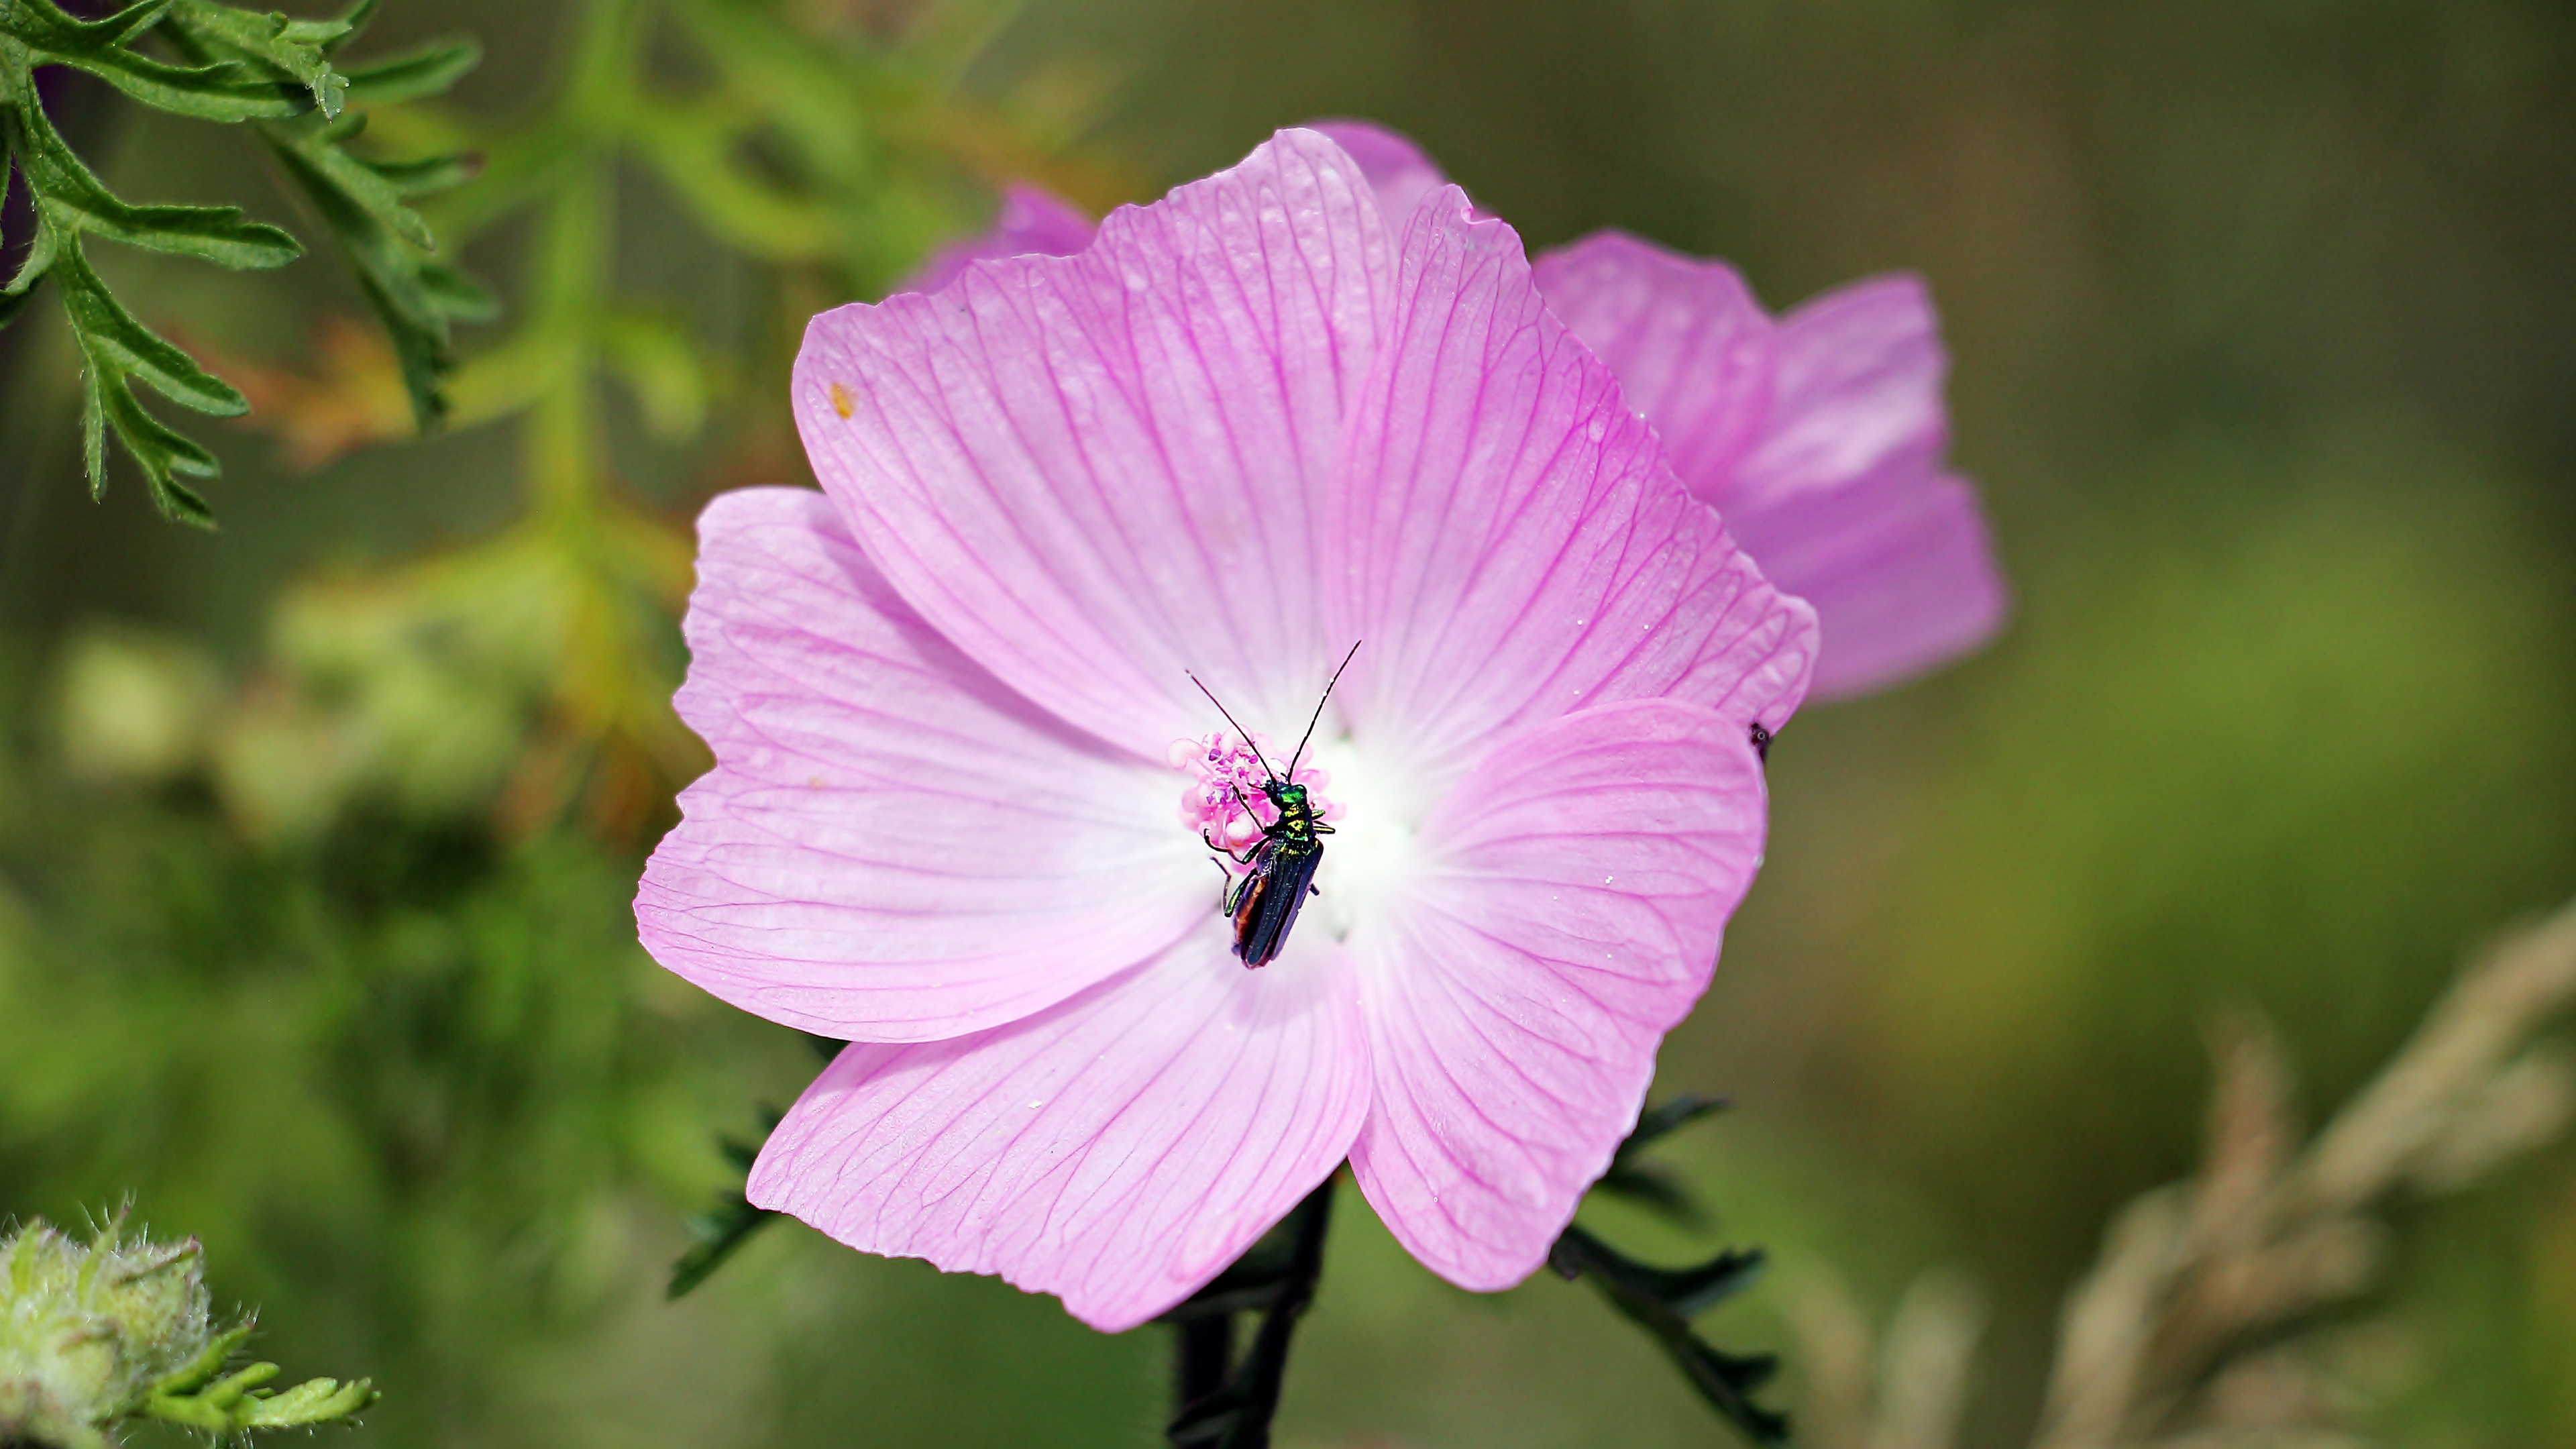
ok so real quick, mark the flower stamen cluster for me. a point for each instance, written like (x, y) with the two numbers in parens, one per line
(1225, 803)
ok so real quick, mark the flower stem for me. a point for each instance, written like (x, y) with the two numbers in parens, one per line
(1204, 1350)
(1277, 1277)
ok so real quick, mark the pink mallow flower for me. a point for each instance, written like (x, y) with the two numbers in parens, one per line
(1239, 430)
(1820, 435)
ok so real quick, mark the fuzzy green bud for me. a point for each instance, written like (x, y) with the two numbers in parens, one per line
(94, 1335)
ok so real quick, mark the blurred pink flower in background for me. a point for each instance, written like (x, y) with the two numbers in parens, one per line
(1237, 431)
(1820, 435)
(1032, 222)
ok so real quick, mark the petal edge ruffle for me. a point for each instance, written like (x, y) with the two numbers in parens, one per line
(1581, 880)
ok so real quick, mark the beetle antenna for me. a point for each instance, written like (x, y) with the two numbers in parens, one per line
(1319, 710)
(1238, 725)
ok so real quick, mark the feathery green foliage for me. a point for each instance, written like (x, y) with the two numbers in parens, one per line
(233, 65)
(1663, 1301)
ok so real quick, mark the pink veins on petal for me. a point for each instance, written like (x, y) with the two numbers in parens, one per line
(1818, 435)
(952, 708)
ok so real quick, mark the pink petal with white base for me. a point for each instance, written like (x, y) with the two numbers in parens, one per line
(1691, 348)
(1568, 913)
(1095, 472)
(1844, 499)
(1118, 1150)
(892, 846)
(1515, 546)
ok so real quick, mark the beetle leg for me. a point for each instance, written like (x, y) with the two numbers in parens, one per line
(1243, 859)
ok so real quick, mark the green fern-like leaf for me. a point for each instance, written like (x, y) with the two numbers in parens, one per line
(200, 1395)
(232, 65)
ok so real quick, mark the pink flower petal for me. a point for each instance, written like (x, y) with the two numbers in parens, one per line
(1690, 346)
(1844, 499)
(1514, 545)
(1899, 565)
(1860, 374)
(1033, 221)
(1397, 170)
(1580, 882)
(1118, 1150)
(892, 845)
(1094, 472)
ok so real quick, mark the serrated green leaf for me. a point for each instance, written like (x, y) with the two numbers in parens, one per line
(240, 64)
(223, 92)
(209, 1362)
(427, 176)
(94, 385)
(719, 1235)
(1630, 1176)
(1660, 1301)
(218, 234)
(224, 32)
(39, 260)
(413, 297)
(351, 24)
(44, 26)
(111, 337)
(456, 296)
(228, 1393)
(1665, 1118)
(412, 75)
(315, 1401)
(159, 450)
(1694, 1290)
(171, 452)
(238, 1404)
(322, 35)
(73, 197)
(317, 153)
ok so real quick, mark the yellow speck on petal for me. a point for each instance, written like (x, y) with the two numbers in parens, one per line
(841, 401)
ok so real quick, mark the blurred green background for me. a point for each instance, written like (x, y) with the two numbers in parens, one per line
(316, 837)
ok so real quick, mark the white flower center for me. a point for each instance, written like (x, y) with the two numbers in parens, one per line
(1374, 811)
(1372, 858)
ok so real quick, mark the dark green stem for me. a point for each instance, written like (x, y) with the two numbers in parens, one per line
(1203, 1350)
(1278, 1277)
